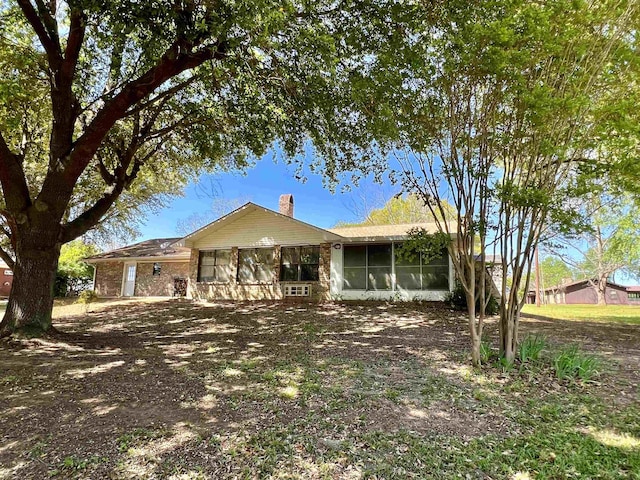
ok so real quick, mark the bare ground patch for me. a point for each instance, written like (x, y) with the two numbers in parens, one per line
(173, 389)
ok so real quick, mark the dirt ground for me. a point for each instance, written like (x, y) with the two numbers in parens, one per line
(173, 389)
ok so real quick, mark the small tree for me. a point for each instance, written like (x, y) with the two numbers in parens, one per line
(609, 241)
(512, 100)
(74, 275)
(555, 271)
(398, 209)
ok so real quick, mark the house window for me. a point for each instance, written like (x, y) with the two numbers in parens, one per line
(635, 296)
(299, 264)
(255, 265)
(367, 267)
(417, 274)
(8, 273)
(214, 266)
(156, 268)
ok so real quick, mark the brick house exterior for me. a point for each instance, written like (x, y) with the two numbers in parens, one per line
(255, 253)
(6, 279)
(155, 266)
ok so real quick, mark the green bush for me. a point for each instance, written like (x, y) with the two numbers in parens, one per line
(571, 362)
(485, 351)
(88, 296)
(457, 299)
(531, 347)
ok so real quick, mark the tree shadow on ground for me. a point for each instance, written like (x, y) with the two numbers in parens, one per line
(173, 387)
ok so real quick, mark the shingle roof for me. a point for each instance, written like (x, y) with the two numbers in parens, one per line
(578, 282)
(383, 231)
(157, 247)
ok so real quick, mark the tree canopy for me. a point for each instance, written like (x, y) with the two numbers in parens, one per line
(511, 99)
(408, 208)
(106, 106)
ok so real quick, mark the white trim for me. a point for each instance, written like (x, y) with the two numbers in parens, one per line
(244, 210)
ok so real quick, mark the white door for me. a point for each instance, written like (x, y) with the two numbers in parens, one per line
(129, 279)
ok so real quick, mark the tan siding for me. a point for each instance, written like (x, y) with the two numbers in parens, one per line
(260, 229)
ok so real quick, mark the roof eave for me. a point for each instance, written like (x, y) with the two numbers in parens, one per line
(161, 258)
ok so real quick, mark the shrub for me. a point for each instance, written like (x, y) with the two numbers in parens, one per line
(485, 351)
(88, 296)
(571, 362)
(457, 299)
(531, 347)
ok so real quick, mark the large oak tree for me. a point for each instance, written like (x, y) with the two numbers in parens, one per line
(110, 103)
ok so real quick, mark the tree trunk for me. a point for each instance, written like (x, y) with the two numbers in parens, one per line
(601, 291)
(475, 338)
(508, 337)
(31, 299)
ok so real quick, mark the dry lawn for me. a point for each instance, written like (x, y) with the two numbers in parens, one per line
(172, 389)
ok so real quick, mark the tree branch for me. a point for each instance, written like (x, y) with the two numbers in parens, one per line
(50, 43)
(92, 216)
(170, 91)
(169, 66)
(74, 44)
(12, 180)
(173, 62)
(7, 258)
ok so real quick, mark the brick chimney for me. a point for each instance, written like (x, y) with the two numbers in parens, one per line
(286, 204)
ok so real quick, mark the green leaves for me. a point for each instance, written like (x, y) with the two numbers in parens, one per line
(419, 242)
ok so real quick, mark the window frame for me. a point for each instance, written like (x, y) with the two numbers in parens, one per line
(366, 267)
(214, 265)
(156, 269)
(300, 264)
(420, 266)
(256, 266)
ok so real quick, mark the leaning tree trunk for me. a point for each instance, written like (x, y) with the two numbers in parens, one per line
(30, 303)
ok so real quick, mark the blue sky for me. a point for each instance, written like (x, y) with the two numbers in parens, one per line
(262, 184)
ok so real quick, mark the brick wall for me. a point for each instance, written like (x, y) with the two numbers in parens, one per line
(268, 291)
(149, 285)
(5, 282)
(109, 279)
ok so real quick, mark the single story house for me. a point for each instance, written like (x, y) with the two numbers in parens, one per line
(584, 292)
(257, 253)
(6, 279)
(633, 295)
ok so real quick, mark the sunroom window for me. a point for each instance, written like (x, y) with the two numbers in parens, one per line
(367, 267)
(417, 274)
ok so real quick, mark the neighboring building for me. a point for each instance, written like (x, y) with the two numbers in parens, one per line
(6, 279)
(257, 253)
(633, 295)
(584, 292)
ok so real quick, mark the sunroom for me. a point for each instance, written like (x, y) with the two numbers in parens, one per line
(375, 270)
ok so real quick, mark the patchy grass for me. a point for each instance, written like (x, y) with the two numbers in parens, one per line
(177, 390)
(625, 314)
